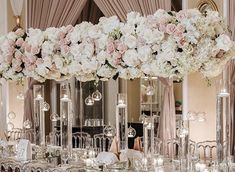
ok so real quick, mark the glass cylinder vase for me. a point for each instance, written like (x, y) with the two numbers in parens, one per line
(121, 121)
(223, 118)
(39, 115)
(66, 117)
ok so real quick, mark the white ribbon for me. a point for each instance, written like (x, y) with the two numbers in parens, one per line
(17, 6)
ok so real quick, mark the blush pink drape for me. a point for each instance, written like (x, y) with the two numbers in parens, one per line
(53, 13)
(49, 13)
(231, 18)
(122, 7)
(232, 105)
(146, 7)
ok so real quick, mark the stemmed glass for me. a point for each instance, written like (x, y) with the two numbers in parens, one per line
(64, 156)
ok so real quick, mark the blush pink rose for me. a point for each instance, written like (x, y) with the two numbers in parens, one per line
(61, 35)
(162, 28)
(65, 49)
(11, 50)
(19, 42)
(117, 55)
(27, 47)
(31, 67)
(180, 28)
(181, 42)
(18, 55)
(69, 28)
(9, 58)
(110, 47)
(117, 61)
(18, 69)
(170, 28)
(35, 50)
(181, 15)
(19, 32)
(32, 59)
(39, 61)
(178, 34)
(122, 48)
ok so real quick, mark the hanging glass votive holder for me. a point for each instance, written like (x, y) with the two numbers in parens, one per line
(39, 115)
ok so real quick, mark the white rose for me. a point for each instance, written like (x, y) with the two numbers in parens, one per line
(12, 36)
(105, 71)
(127, 29)
(94, 32)
(89, 66)
(131, 58)
(52, 33)
(109, 24)
(102, 56)
(58, 62)
(223, 42)
(35, 37)
(74, 67)
(75, 50)
(145, 53)
(47, 48)
(101, 42)
(130, 41)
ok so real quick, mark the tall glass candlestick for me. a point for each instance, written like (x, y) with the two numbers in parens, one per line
(39, 115)
(66, 117)
(121, 121)
(223, 118)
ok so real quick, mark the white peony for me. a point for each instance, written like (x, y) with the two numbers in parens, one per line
(51, 33)
(223, 42)
(145, 53)
(35, 37)
(109, 24)
(12, 36)
(130, 41)
(105, 71)
(131, 58)
(102, 56)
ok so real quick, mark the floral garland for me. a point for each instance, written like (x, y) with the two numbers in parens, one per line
(166, 44)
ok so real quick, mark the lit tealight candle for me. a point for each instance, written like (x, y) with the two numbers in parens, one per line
(121, 103)
(158, 162)
(39, 97)
(200, 167)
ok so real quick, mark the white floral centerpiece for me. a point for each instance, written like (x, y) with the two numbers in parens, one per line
(166, 44)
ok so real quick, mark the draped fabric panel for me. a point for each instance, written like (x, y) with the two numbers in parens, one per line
(167, 118)
(231, 20)
(43, 14)
(90, 13)
(53, 13)
(122, 7)
(232, 105)
(146, 7)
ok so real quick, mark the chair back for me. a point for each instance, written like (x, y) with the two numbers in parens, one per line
(82, 140)
(102, 142)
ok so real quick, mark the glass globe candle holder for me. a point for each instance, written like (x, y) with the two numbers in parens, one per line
(131, 132)
(109, 131)
(96, 96)
(89, 101)
(66, 117)
(39, 115)
(121, 121)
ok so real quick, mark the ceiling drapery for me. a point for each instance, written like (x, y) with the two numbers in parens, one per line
(122, 7)
(53, 13)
